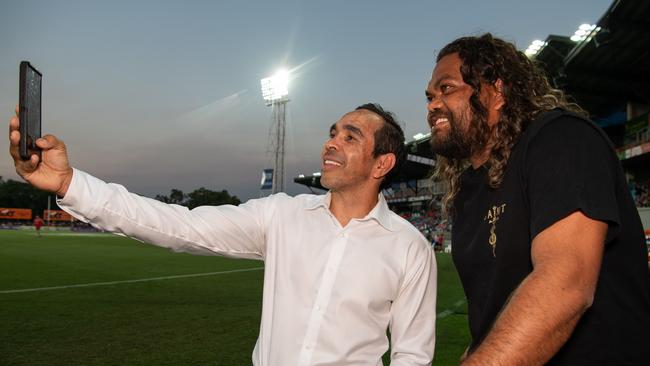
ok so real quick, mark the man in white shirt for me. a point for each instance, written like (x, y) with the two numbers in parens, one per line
(340, 269)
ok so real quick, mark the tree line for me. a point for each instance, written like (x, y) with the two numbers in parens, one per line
(199, 197)
(15, 194)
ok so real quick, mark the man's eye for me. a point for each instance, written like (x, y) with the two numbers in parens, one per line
(349, 138)
(331, 135)
(445, 88)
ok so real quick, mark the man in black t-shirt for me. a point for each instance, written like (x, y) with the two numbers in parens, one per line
(546, 238)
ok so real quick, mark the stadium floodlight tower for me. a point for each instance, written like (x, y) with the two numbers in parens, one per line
(275, 90)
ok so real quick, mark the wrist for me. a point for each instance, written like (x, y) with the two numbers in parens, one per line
(65, 184)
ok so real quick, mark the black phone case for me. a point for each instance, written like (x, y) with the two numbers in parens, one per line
(30, 123)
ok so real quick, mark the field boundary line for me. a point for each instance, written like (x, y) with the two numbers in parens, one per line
(445, 313)
(128, 281)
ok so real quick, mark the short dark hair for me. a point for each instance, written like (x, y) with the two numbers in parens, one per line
(388, 139)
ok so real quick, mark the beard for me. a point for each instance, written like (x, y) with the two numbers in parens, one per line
(456, 144)
(453, 144)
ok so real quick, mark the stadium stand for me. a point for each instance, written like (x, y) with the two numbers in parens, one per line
(78, 226)
(641, 193)
(608, 74)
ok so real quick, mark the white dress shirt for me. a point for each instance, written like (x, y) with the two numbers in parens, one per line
(330, 292)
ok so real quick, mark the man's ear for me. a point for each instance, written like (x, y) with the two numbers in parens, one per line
(499, 99)
(495, 102)
(385, 163)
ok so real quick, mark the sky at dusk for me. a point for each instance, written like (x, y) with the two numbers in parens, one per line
(157, 95)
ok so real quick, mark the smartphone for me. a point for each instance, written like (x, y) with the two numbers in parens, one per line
(29, 107)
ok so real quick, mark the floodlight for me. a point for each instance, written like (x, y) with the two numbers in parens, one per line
(576, 38)
(585, 32)
(276, 87)
(535, 47)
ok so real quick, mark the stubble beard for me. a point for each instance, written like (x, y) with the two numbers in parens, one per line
(333, 183)
(325, 182)
(340, 182)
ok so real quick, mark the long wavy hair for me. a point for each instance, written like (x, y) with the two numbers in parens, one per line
(526, 92)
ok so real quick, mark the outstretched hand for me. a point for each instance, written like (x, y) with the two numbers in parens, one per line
(51, 172)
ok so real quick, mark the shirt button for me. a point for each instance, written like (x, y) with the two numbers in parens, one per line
(317, 307)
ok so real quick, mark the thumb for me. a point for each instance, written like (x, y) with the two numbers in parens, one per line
(49, 142)
(46, 142)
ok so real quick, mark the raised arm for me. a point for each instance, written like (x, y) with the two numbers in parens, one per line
(233, 231)
(224, 230)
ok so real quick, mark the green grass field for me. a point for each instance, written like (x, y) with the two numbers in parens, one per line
(198, 320)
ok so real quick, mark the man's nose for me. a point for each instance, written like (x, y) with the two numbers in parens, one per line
(331, 144)
(434, 104)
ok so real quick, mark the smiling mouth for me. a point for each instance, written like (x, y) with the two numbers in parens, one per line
(439, 122)
(331, 162)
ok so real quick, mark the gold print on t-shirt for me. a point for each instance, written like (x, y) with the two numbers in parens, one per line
(492, 217)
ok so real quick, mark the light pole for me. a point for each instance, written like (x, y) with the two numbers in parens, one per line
(275, 90)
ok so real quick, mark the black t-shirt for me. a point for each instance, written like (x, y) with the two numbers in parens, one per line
(561, 164)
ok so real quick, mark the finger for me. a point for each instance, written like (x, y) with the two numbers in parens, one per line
(27, 166)
(44, 143)
(48, 142)
(14, 124)
(33, 161)
(31, 164)
(24, 166)
(14, 138)
(17, 110)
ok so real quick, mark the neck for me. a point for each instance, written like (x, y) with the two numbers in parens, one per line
(346, 205)
(477, 160)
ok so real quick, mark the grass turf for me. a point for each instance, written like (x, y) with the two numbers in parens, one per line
(211, 320)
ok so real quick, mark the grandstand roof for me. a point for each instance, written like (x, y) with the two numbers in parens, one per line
(609, 69)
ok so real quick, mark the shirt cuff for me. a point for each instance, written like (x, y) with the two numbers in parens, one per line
(78, 200)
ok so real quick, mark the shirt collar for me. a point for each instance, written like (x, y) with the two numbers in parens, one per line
(322, 200)
(380, 213)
